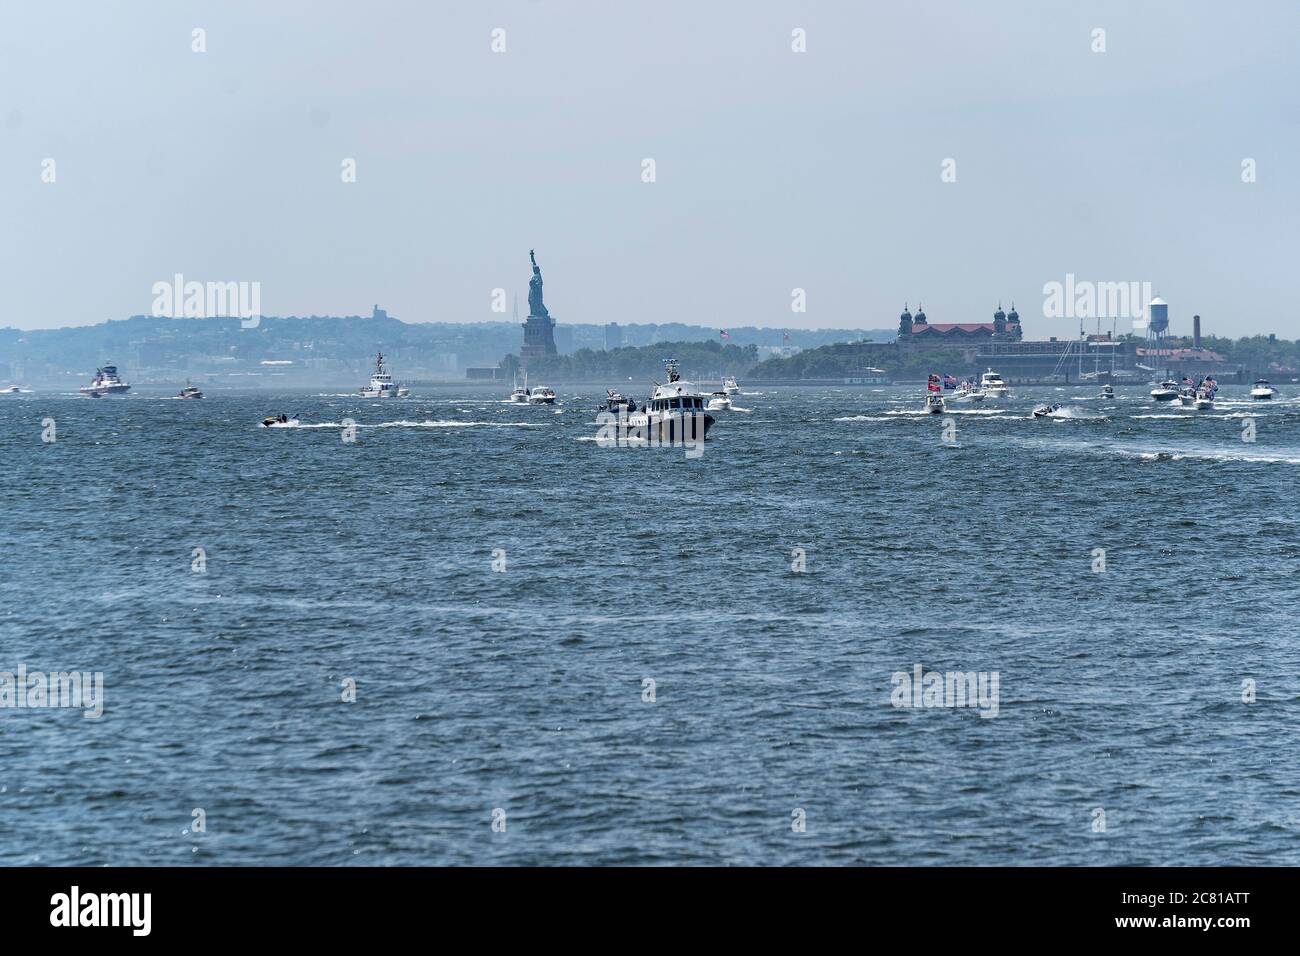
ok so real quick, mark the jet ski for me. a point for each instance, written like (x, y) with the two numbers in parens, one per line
(270, 421)
(1044, 411)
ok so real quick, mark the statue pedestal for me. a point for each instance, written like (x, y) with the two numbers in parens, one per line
(539, 337)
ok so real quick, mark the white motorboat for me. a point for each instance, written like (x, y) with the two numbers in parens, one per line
(1187, 396)
(729, 385)
(993, 385)
(519, 395)
(1261, 391)
(934, 403)
(106, 382)
(10, 390)
(719, 402)
(967, 392)
(190, 391)
(382, 384)
(1166, 391)
(1108, 391)
(1204, 399)
(541, 395)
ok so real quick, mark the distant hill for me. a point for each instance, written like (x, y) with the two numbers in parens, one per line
(699, 361)
(336, 349)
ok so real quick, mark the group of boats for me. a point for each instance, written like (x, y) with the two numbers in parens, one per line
(108, 382)
(718, 400)
(991, 385)
(537, 395)
(1202, 396)
(1199, 396)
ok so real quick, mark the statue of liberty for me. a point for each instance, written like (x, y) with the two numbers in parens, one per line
(535, 306)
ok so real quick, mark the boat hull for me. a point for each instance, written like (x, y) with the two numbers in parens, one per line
(666, 429)
(102, 390)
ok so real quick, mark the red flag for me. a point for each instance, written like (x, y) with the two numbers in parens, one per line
(724, 333)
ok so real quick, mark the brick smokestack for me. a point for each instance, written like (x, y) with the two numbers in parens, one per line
(1196, 331)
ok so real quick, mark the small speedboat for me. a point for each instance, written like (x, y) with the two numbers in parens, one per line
(934, 403)
(1166, 391)
(541, 395)
(10, 390)
(614, 401)
(1261, 391)
(1204, 400)
(271, 421)
(519, 395)
(1108, 391)
(1046, 411)
(729, 385)
(190, 391)
(1187, 396)
(718, 402)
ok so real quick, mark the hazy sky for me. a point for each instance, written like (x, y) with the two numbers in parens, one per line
(775, 170)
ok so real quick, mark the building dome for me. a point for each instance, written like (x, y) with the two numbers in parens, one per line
(906, 316)
(999, 315)
(1013, 315)
(920, 315)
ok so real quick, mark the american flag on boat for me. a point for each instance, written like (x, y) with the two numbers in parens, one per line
(950, 381)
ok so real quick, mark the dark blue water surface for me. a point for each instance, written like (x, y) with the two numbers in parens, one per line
(522, 690)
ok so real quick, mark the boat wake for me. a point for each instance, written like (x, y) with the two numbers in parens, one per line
(408, 424)
(1077, 414)
(1212, 456)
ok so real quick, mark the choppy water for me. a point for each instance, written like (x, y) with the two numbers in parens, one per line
(523, 690)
